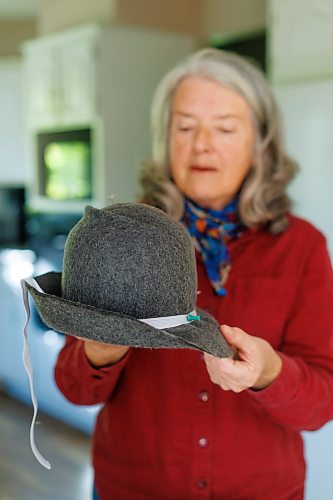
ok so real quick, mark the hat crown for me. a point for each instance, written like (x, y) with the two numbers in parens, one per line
(130, 258)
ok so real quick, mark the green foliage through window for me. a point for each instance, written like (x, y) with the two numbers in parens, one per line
(67, 170)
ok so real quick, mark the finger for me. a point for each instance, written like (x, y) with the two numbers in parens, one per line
(228, 382)
(237, 338)
(234, 373)
(221, 365)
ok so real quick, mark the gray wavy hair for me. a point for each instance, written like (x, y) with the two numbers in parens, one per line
(263, 198)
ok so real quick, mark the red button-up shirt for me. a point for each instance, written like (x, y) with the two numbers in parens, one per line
(167, 432)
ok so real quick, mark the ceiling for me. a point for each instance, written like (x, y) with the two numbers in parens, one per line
(18, 9)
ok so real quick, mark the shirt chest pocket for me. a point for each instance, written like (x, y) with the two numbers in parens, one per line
(261, 306)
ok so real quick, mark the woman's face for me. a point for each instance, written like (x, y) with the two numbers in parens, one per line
(210, 141)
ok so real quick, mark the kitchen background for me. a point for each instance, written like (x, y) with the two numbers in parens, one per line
(76, 80)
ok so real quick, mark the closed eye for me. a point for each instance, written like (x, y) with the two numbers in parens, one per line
(185, 129)
(226, 130)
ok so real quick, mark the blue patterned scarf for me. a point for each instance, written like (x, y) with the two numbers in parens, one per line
(210, 231)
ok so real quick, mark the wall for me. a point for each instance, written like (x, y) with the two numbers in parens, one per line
(13, 33)
(60, 14)
(174, 15)
(309, 134)
(200, 18)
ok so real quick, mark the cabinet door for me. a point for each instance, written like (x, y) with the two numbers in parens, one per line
(301, 43)
(77, 70)
(41, 83)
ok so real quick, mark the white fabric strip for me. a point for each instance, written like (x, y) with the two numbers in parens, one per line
(29, 370)
(32, 282)
(171, 321)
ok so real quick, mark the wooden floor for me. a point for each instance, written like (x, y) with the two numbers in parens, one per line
(22, 477)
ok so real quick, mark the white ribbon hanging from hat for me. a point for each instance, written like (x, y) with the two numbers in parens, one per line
(159, 323)
(28, 366)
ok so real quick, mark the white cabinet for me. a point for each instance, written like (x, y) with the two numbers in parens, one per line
(77, 96)
(102, 79)
(40, 89)
(60, 79)
(301, 45)
(13, 158)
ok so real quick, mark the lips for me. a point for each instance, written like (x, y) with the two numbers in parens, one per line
(202, 168)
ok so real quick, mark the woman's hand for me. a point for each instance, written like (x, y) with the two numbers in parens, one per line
(99, 354)
(257, 365)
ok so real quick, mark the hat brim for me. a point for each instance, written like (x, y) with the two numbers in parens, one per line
(111, 327)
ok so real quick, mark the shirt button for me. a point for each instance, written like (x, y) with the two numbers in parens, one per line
(203, 442)
(202, 484)
(203, 396)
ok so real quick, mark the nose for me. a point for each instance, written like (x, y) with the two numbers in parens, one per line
(202, 140)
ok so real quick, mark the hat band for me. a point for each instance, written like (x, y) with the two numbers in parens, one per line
(159, 323)
(171, 321)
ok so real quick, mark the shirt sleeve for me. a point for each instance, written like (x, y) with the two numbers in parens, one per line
(302, 395)
(80, 382)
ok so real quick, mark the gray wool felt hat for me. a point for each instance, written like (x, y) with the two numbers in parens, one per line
(129, 278)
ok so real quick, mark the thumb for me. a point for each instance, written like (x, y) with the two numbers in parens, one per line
(235, 336)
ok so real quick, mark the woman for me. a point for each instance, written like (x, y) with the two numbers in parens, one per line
(180, 425)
